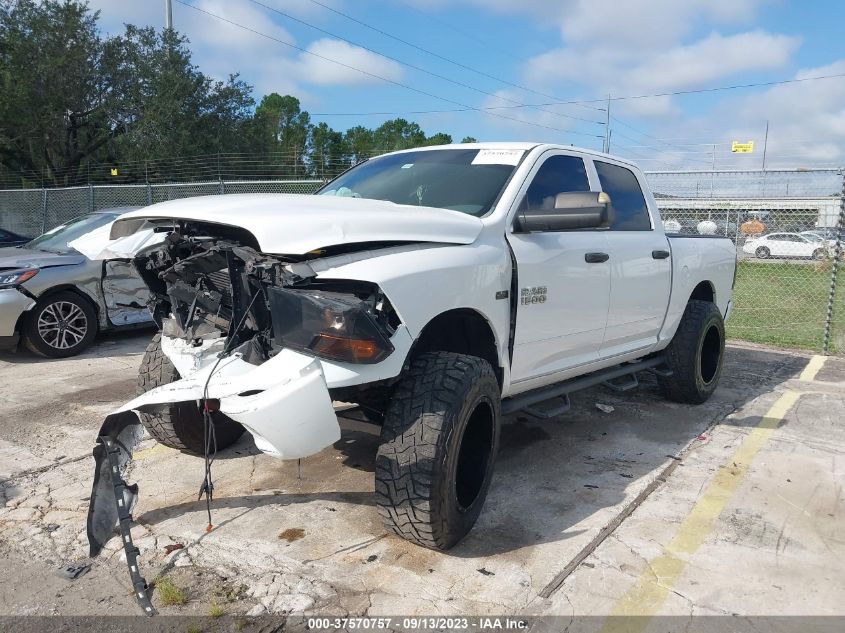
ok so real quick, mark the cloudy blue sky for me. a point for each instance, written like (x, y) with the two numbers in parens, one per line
(477, 59)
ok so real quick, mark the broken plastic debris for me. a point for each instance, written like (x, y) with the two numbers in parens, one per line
(605, 407)
(72, 572)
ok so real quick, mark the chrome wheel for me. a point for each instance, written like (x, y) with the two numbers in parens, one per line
(62, 325)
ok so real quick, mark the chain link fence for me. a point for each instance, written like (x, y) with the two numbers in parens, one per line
(34, 211)
(787, 229)
(787, 226)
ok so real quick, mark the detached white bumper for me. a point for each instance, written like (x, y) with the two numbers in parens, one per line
(283, 402)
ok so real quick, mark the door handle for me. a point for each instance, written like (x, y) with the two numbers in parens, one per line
(660, 254)
(596, 258)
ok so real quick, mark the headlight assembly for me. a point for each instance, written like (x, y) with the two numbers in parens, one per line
(15, 277)
(331, 325)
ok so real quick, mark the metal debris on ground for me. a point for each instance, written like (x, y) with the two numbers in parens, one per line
(72, 572)
(606, 408)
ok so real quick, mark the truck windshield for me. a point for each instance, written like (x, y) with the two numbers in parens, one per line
(465, 180)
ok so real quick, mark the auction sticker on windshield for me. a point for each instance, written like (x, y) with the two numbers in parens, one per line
(498, 157)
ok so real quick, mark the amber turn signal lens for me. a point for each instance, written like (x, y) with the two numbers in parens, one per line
(347, 349)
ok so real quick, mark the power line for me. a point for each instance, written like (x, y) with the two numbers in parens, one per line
(432, 53)
(413, 66)
(625, 98)
(375, 76)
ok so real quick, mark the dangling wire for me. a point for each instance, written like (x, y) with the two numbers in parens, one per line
(209, 432)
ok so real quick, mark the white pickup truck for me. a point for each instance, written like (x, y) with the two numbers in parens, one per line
(438, 288)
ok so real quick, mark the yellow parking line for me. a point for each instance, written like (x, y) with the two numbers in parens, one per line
(646, 596)
(812, 368)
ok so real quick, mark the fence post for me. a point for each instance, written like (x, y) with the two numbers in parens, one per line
(90, 198)
(149, 194)
(837, 254)
(43, 210)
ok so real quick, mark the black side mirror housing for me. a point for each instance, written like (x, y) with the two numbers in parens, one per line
(572, 211)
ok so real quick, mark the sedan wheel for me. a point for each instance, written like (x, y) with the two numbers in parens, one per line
(762, 252)
(62, 324)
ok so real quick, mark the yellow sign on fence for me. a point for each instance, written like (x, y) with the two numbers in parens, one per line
(114, 172)
(742, 148)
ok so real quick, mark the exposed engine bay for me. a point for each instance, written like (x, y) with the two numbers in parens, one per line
(207, 284)
(245, 331)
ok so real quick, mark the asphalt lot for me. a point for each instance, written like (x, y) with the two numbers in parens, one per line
(735, 506)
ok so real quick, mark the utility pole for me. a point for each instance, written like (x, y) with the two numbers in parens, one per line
(606, 146)
(168, 14)
(765, 143)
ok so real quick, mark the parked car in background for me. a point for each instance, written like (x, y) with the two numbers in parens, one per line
(7, 238)
(788, 245)
(55, 298)
(827, 234)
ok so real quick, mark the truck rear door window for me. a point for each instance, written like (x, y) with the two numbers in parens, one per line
(629, 206)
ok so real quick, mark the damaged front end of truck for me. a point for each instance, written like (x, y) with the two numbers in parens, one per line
(246, 332)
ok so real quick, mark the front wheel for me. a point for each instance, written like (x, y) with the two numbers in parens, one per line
(61, 324)
(818, 254)
(762, 252)
(695, 354)
(438, 446)
(179, 425)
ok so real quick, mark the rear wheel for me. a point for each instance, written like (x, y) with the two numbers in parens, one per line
(439, 443)
(61, 324)
(818, 253)
(179, 425)
(762, 252)
(695, 354)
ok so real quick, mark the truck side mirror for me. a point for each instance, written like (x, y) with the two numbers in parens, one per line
(572, 210)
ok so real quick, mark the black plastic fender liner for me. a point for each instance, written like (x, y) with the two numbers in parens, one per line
(125, 432)
(112, 499)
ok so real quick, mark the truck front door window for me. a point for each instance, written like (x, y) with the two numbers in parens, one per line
(559, 174)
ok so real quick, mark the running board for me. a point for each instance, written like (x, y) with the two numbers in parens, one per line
(527, 401)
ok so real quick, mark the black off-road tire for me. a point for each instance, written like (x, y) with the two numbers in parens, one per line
(695, 355)
(179, 426)
(438, 446)
(66, 306)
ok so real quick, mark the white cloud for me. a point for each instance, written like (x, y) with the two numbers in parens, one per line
(806, 120)
(313, 69)
(678, 67)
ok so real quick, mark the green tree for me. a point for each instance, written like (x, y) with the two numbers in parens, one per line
(284, 128)
(398, 134)
(328, 151)
(441, 138)
(175, 110)
(360, 143)
(72, 101)
(469, 139)
(60, 88)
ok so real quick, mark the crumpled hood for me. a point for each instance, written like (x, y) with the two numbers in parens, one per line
(31, 258)
(288, 224)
